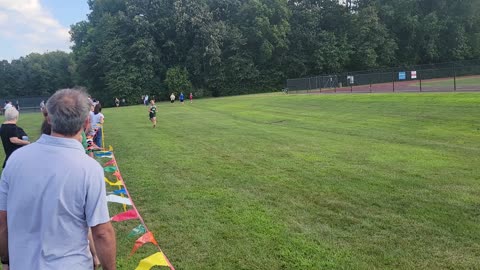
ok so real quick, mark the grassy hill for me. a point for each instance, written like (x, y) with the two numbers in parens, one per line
(382, 181)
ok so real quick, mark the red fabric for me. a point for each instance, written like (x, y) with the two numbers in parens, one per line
(146, 238)
(118, 175)
(111, 162)
(130, 214)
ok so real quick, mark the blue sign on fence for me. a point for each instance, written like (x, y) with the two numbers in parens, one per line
(402, 75)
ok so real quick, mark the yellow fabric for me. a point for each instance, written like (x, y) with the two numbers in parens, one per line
(124, 206)
(118, 183)
(157, 259)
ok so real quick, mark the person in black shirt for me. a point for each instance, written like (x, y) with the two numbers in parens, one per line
(152, 113)
(13, 137)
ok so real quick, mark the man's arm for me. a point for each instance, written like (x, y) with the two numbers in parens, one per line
(105, 245)
(3, 235)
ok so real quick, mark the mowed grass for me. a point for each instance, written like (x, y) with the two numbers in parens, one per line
(368, 181)
(460, 81)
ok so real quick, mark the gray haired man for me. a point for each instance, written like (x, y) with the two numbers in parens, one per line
(51, 193)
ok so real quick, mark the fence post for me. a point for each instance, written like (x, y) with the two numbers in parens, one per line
(335, 87)
(454, 78)
(309, 85)
(370, 85)
(420, 78)
(393, 81)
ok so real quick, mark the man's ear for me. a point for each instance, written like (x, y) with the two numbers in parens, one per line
(48, 120)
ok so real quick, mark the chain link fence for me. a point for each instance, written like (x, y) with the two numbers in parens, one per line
(24, 104)
(441, 77)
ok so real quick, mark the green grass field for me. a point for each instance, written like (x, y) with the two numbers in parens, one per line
(461, 82)
(371, 181)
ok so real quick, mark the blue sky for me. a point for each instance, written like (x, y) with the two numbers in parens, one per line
(37, 25)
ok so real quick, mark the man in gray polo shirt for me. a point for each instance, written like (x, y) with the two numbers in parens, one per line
(51, 193)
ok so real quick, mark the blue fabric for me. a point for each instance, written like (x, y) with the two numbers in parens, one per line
(98, 138)
(120, 191)
(52, 192)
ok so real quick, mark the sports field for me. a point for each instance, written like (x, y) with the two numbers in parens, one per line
(372, 181)
(472, 81)
(447, 84)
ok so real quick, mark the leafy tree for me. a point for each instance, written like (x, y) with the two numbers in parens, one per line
(177, 80)
(128, 48)
(372, 45)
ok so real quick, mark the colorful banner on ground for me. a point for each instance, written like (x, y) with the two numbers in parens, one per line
(121, 195)
(157, 259)
(118, 199)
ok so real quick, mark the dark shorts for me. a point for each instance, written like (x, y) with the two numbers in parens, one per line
(172, 101)
(152, 115)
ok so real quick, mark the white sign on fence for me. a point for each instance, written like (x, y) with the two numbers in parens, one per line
(413, 75)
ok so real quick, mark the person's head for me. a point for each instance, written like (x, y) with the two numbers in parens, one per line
(68, 109)
(46, 128)
(11, 114)
(98, 108)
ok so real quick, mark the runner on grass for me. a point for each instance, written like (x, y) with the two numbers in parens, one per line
(153, 112)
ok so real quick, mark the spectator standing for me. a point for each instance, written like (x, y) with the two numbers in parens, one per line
(49, 229)
(13, 136)
(182, 98)
(117, 102)
(191, 98)
(172, 98)
(96, 121)
(42, 106)
(8, 104)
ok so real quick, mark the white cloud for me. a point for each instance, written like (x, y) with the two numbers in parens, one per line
(30, 27)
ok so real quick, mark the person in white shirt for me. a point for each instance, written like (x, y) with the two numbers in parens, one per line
(96, 120)
(8, 105)
(172, 98)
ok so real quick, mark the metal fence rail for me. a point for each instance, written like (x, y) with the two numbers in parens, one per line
(452, 76)
(25, 104)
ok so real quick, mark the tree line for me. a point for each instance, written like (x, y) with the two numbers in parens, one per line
(127, 48)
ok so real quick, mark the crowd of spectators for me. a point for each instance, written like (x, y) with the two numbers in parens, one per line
(53, 209)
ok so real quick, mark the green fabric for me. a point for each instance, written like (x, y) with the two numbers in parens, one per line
(110, 169)
(84, 141)
(139, 230)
